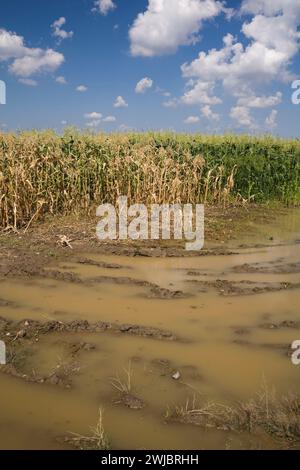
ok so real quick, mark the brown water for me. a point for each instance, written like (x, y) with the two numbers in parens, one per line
(223, 351)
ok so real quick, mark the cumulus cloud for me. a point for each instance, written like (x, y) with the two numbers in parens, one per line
(200, 92)
(172, 103)
(270, 7)
(58, 31)
(109, 119)
(104, 6)
(197, 93)
(37, 61)
(61, 80)
(191, 120)
(209, 114)
(243, 117)
(82, 88)
(244, 68)
(11, 45)
(168, 24)
(252, 101)
(120, 102)
(95, 119)
(143, 85)
(28, 81)
(162, 92)
(238, 68)
(93, 115)
(265, 58)
(271, 120)
(26, 61)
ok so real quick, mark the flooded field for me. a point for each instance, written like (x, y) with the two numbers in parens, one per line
(149, 340)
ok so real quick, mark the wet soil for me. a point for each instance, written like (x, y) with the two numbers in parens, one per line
(210, 325)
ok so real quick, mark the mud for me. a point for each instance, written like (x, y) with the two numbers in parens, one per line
(209, 325)
(61, 376)
(283, 324)
(130, 401)
(268, 268)
(34, 329)
(243, 287)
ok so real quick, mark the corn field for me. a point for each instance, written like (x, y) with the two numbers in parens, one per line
(44, 173)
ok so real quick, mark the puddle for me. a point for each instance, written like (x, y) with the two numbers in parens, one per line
(225, 346)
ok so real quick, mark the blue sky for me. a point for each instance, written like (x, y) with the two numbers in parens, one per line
(136, 50)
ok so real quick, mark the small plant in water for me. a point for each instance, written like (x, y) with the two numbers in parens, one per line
(276, 417)
(96, 441)
(123, 385)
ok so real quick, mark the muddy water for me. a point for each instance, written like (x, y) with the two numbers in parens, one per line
(227, 343)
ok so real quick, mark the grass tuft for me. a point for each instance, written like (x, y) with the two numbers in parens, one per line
(96, 441)
(277, 417)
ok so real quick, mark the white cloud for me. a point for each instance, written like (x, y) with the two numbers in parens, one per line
(96, 118)
(238, 68)
(244, 68)
(273, 42)
(120, 103)
(243, 117)
(200, 93)
(270, 7)
(168, 24)
(57, 30)
(104, 6)
(37, 61)
(61, 80)
(162, 92)
(81, 88)
(209, 114)
(28, 81)
(191, 120)
(11, 45)
(251, 101)
(271, 120)
(172, 103)
(109, 119)
(93, 115)
(143, 85)
(27, 61)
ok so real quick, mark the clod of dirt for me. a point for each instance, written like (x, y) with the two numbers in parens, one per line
(268, 268)
(75, 348)
(99, 264)
(239, 288)
(157, 292)
(36, 328)
(283, 324)
(131, 401)
(241, 331)
(61, 376)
